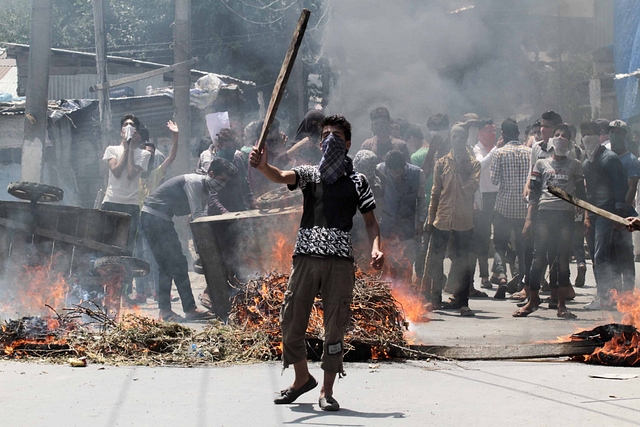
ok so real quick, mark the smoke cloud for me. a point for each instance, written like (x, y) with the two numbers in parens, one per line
(420, 58)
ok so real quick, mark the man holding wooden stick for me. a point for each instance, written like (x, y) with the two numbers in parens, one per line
(323, 259)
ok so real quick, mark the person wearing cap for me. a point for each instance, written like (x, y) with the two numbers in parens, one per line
(623, 241)
(606, 189)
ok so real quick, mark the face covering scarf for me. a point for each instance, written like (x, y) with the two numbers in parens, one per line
(561, 146)
(591, 145)
(334, 161)
(472, 140)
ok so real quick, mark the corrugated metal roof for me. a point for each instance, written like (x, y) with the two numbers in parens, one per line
(147, 64)
(77, 86)
(8, 75)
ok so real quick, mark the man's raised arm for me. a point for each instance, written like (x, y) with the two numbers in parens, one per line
(260, 161)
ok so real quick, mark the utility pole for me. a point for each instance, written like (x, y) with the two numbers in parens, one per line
(182, 79)
(181, 96)
(101, 68)
(35, 123)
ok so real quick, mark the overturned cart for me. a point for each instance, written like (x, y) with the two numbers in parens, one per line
(236, 246)
(54, 255)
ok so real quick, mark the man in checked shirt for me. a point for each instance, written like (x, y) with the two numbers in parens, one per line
(509, 171)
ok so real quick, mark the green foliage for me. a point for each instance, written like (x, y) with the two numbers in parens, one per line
(14, 21)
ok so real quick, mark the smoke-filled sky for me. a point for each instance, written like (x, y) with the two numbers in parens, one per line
(417, 59)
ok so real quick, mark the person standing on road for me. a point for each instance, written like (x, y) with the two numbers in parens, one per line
(323, 259)
(553, 219)
(180, 196)
(456, 178)
(509, 171)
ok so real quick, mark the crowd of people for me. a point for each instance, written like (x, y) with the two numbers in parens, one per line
(467, 183)
(464, 191)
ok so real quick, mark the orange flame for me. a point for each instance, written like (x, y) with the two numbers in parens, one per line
(35, 287)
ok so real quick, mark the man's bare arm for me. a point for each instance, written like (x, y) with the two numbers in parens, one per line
(259, 161)
(175, 136)
(631, 192)
(373, 231)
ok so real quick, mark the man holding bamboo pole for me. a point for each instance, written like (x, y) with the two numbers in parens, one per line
(323, 255)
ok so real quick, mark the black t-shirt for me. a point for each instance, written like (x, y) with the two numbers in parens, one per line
(327, 219)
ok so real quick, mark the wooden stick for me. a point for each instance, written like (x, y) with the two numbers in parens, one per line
(502, 352)
(283, 77)
(558, 192)
(145, 75)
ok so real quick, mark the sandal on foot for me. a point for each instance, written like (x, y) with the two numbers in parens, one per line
(476, 293)
(171, 317)
(466, 312)
(523, 313)
(452, 304)
(289, 395)
(199, 315)
(567, 315)
(328, 403)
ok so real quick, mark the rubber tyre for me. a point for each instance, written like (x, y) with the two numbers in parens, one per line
(35, 192)
(134, 267)
(281, 197)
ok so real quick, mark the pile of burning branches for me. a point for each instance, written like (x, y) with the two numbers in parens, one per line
(90, 332)
(377, 319)
(252, 333)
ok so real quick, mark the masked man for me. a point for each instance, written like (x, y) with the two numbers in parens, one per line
(624, 264)
(553, 218)
(323, 255)
(606, 189)
(181, 195)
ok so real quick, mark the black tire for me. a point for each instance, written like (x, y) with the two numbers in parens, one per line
(134, 267)
(35, 192)
(281, 197)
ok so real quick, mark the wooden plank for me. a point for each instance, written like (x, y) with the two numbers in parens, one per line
(62, 237)
(285, 71)
(215, 272)
(503, 352)
(558, 192)
(141, 76)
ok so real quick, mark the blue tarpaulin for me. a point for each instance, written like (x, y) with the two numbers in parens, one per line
(626, 54)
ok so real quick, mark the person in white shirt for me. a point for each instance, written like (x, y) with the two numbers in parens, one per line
(484, 203)
(126, 162)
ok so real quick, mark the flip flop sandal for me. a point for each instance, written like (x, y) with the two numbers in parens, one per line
(567, 315)
(173, 317)
(199, 315)
(450, 305)
(523, 313)
(478, 294)
(290, 395)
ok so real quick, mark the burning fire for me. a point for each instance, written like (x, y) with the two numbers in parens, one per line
(622, 346)
(34, 288)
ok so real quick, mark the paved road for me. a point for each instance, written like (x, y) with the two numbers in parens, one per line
(533, 393)
(393, 394)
